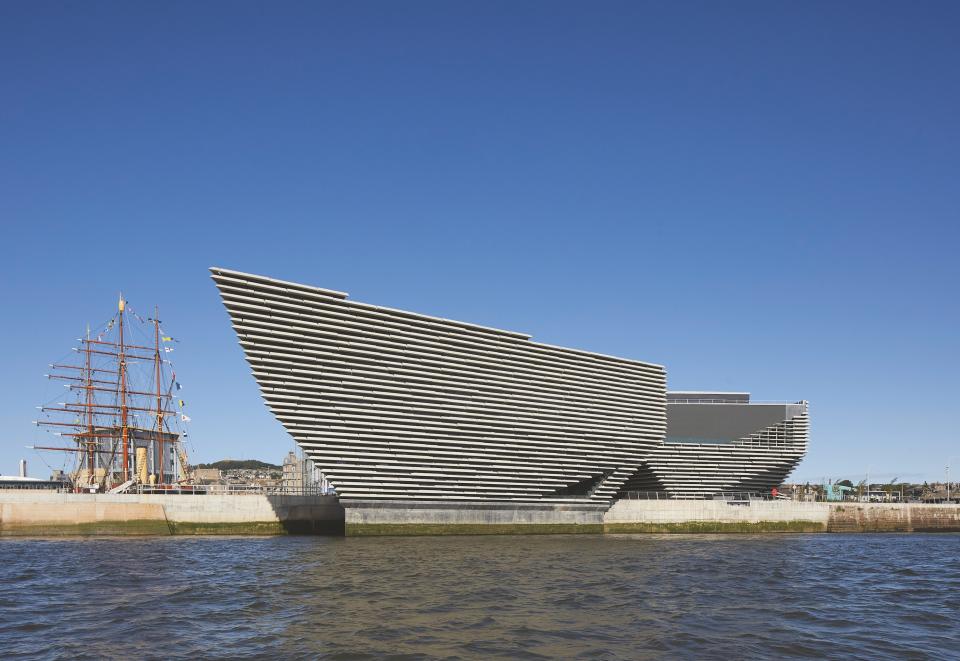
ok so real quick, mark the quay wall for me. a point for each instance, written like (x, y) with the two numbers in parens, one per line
(893, 517)
(33, 513)
(53, 514)
(379, 517)
(690, 516)
(630, 516)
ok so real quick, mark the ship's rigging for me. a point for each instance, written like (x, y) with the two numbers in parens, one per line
(123, 422)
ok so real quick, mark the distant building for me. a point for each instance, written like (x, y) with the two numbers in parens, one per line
(16, 482)
(207, 475)
(22, 481)
(301, 475)
(292, 479)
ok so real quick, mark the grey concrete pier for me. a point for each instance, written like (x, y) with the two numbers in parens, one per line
(392, 517)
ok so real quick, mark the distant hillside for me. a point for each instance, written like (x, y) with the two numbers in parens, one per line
(238, 464)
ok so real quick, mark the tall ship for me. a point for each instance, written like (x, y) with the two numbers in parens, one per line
(122, 425)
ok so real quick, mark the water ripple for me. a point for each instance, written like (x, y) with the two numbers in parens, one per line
(537, 597)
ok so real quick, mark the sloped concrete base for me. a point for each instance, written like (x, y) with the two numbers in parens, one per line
(373, 517)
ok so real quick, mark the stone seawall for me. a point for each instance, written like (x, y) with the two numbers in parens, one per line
(627, 516)
(53, 514)
(691, 516)
(45, 514)
(893, 517)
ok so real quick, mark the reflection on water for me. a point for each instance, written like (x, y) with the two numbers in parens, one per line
(615, 596)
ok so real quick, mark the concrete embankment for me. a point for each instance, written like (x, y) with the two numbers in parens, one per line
(717, 516)
(51, 514)
(629, 516)
(644, 516)
(893, 517)
(373, 517)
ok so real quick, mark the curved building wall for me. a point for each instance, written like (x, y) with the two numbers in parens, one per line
(392, 404)
(755, 461)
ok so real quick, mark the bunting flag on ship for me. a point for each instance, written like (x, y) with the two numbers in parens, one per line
(184, 417)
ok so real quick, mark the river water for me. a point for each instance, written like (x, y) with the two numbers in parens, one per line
(523, 597)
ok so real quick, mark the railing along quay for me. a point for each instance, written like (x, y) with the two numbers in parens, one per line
(722, 495)
(181, 490)
(234, 490)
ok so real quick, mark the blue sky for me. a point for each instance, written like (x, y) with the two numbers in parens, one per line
(760, 196)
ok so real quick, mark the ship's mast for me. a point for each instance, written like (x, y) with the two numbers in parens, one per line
(124, 432)
(91, 438)
(156, 335)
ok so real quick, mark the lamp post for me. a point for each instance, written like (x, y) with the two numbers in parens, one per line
(949, 459)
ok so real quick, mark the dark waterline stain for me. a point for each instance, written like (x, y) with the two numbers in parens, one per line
(536, 597)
